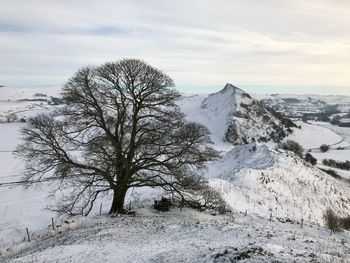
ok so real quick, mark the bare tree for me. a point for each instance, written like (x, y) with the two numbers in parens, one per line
(332, 221)
(120, 128)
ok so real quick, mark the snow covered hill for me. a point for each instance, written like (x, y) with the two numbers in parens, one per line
(253, 177)
(264, 181)
(234, 116)
(187, 236)
(20, 103)
(17, 94)
(305, 103)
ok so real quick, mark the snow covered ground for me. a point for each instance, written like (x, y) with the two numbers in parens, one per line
(15, 94)
(331, 99)
(312, 136)
(256, 178)
(186, 236)
(253, 178)
(18, 208)
(216, 121)
(16, 103)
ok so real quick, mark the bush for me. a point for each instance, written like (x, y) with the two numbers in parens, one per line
(40, 95)
(12, 117)
(324, 148)
(332, 221)
(310, 159)
(345, 223)
(336, 223)
(336, 164)
(335, 120)
(213, 200)
(206, 199)
(292, 146)
(288, 123)
(331, 173)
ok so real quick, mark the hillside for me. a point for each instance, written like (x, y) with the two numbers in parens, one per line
(253, 177)
(187, 236)
(263, 181)
(234, 116)
(20, 103)
(18, 94)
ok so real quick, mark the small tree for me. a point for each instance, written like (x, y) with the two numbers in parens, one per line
(292, 146)
(324, 148)
(332, 221)
(121, 128)
(336, 120)
(310, 159)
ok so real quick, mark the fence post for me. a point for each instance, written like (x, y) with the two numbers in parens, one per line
(28, 234)
(101, 209)
(181, 205)
(302, 223)
(270, 217)
(52, 224)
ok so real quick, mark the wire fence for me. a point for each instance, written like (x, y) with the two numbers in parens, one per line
(27, 182)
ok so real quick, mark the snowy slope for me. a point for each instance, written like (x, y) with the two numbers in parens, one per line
(242, 157)
(15, 94)
(19, 208)
(267, 181)
(215, 121)
(312, 136)
(17, 103)
(256, 178)
(252, 177)
(187, 236)
(233, 116)
(330, 99)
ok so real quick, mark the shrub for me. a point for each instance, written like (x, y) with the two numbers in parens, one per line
(40, 95)
(12, 117)
(304, 118)
(336, 164)
(288, 123)
(213, 200)
(345, 223)
(206, 199)
(292, 146)
(335, 120)
(331, 173)
(324, 148)
(332, 221)
(310, 159)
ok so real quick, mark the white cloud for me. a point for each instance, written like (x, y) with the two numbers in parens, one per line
(198, 43)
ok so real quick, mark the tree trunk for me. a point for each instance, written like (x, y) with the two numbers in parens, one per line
(118, 200)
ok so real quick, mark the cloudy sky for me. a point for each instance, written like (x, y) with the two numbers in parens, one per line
(261, 45)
